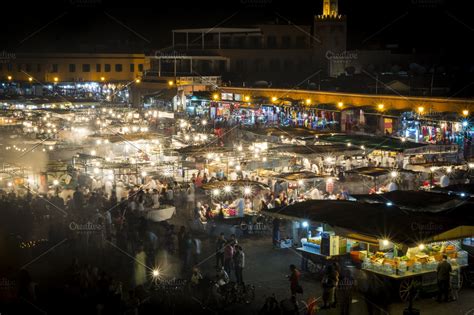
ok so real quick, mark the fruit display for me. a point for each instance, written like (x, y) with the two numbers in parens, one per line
(417, 259)
(315, 240)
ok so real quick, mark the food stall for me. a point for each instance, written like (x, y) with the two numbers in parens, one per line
(402, 246)
(235, 199)
(383, 179)
(417, 265)
(304, 185)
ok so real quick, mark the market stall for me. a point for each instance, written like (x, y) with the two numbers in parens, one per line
(384, 179)
(235, 199)
(388, 241)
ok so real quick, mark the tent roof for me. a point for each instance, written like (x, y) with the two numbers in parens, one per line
(292, 176)
(317, 149)
(377, 221)
(203, 150)
(372, 142)
(372, 171)
(414, 200)
(288, 132)
(238, 183)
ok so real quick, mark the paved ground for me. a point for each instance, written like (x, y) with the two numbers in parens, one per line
(266, 268)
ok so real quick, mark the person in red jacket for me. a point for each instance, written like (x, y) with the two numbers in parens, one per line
(294, 278)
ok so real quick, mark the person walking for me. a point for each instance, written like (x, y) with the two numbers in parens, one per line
(443, 270)
(345, 289)
(220, 243)
(455, 283)
(239, 264)
(228, 256)
(294, 278)
(329, 283)
(181, 243)
(196, 250)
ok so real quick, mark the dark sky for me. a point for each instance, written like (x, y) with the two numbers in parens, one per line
(432, 26)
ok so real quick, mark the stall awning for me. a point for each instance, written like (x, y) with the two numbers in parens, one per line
(289, 132)
(294, 176)
(459, 232)
(373, 142)
(378, 221)
(318, 150)
(376, 171)
(201, 150)
(414, 200)
(233, 183)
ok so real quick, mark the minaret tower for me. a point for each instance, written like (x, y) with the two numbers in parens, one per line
(330, 8)
(330, 33)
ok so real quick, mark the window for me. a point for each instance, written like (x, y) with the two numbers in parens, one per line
(239, 65)
(38, 67)
(10, 67)
(140, 67)
(54, 67)
(132, 67)
(118, 67)
(288, 65)
(300, 42)
(72, 67)
(98, 67)
(271, 42)
(255, 42)
(225, 42)
(28, 67)
(107, 67)
(239, 42)
(1, 66)
(86, 67)
(274, 65)
(18, 67)
(258, 65)
(285, 42)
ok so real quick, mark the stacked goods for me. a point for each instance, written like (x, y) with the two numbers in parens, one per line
(462, 257)
(315, 240)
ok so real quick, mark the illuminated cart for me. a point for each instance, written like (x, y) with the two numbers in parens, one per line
(402, 247)
(237, 200)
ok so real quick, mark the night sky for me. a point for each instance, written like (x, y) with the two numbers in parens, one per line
(423, 26)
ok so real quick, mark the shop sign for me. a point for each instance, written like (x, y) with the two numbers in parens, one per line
(166, 115)
(227, 96)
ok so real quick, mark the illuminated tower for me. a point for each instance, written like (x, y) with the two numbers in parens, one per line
(330, 34)
(330, 7)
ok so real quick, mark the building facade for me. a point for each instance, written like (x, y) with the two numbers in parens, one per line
(268, 54)
(47, 68)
